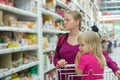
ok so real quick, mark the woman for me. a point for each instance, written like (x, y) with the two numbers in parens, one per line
(70, 47)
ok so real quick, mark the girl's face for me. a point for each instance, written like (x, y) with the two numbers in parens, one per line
(83, 47)
(69, 22)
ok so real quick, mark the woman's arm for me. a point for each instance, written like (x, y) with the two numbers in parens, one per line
(58, 61)
(56, 58)
(56, 53)
(110, 63)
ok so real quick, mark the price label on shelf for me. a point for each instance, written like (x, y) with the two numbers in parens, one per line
(7, 8)
(0, 6)
(21, 49)
(13, 50)
(13, 10)
(12, 71)
(3, 74)
(21, 68)
(28, 48)
(18, 30)
(18, 11)
(29, 14)
(11, 29)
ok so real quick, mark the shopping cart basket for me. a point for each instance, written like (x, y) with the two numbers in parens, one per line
(68, 73)
(109, 75)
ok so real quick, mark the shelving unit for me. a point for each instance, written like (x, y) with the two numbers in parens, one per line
(17, 11)
(15, 29)
(23, 48)
(20, 68)
(23, 15)
(44, 55)
(47, 12)
(62, 5)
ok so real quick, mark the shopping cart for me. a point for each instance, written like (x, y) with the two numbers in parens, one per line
(68, 73)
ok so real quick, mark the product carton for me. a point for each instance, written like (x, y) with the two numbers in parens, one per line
(29, 5)
(10, 20)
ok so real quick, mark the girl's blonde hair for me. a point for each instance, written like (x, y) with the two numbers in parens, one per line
(76, 16)
(94, 44)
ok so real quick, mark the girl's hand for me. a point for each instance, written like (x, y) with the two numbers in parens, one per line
(61, 63)
(77, 59)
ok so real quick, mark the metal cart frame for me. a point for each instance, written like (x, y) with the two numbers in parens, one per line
(109, 75)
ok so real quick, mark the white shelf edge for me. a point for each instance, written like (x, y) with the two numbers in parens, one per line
(17, 10)
(15, 29)
(78, 5)
(60, 3)
(47, 12)
(24, 48)
(36, 78)
(48, 50)
(53, 31)
(80, 8)
(20, 68)
(49, 69)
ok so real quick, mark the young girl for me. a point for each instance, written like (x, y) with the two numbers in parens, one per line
(89, 57)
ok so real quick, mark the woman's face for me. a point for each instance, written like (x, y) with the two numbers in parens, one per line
(69, 22)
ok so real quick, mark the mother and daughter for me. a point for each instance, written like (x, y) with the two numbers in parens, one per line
(82, 48)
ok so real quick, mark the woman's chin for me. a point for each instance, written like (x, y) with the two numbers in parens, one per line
(66, 29)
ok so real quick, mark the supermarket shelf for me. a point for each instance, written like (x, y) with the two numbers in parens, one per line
(20, 68)
(62, 5)
(24, 48)
(53, 31)
(48, 50)
(81, 9)
(78, 5)
(17, 11)
(47, 12)
(49, 69)
(15, 29)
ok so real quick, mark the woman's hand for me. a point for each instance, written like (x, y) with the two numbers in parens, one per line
(61, 63)
(117, 73)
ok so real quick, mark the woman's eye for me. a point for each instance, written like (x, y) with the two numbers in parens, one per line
(82, 44)
(67, 20)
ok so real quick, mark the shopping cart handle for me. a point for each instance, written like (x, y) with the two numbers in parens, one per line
(70, 65)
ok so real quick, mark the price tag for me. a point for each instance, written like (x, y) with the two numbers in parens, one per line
(21, 68)
(18, 30)
(11, 29)
(18, 11)
(6, 8)
(28, 48)
(29, 14)
(21, 49)
(13, 10)
(3, 74)
(13, 50)
(13, 71)
(0, 6)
